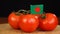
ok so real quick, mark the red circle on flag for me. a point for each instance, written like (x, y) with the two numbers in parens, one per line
(37, 9)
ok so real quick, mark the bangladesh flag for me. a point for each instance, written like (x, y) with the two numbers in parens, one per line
(36, 9)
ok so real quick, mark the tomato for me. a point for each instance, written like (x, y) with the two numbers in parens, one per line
(28, 23)
(13, 20)
(37, 16)
(49, 22)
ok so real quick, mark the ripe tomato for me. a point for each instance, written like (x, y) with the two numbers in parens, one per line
(37, 16)
(49, 22)
(13, 20)
(28, 23)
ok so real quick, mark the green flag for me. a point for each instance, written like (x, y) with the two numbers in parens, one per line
(36, 9)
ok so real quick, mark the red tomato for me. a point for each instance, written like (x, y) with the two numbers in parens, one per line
(49, 22)
(37, 16)
(13, 20)
(28, 23)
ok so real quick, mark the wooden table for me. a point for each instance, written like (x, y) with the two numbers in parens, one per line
(6, 29)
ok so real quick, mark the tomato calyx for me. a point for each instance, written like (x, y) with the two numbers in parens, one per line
(43, 16)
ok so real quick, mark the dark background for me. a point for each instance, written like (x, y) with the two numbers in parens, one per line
(7, 6)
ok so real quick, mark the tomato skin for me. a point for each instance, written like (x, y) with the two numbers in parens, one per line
(28, 23)
(37, 16)
(13, 20)
(49, 23)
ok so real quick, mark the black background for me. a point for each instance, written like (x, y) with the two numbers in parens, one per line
(7, 6)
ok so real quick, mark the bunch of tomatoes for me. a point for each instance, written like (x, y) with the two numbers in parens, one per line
(30, 22)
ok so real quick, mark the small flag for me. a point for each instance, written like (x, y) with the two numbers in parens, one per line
(36, 9)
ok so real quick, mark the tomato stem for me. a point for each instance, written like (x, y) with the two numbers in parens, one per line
(19, 11)
(24, 11)
(28, 12)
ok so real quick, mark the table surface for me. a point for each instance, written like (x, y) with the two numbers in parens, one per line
(6, 29)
